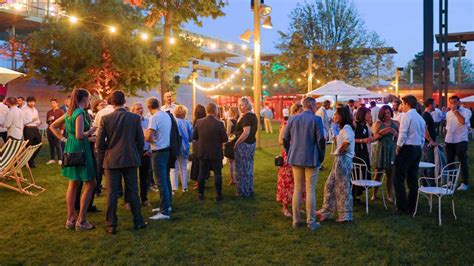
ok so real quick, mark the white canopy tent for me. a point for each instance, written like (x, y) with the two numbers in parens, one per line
(7, 75)
(469, 99)
(343, 91)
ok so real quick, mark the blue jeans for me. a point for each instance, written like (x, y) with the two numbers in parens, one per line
(162, 177)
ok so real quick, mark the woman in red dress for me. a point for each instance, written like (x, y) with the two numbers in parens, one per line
(285, 182)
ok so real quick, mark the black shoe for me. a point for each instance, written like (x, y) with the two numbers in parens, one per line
(32, 165)
(200, 197)
(111, 230)
(94, 209)
(219, 198)
(141, 226)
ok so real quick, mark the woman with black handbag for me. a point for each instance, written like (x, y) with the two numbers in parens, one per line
(78, 160)
(285, 183)
(229, 146)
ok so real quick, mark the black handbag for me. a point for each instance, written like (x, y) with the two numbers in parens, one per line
(279, 161)
(71, 159)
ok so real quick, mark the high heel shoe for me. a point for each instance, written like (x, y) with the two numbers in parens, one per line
(70, 224)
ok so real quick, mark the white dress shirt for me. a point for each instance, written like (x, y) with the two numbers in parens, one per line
(31, 117)
(286, 112)
(437, 115)
(3, 116)
(98, 117)
(412, 129)
(169, 108)
(15, 122)
(375, 113)
(455, 131)
(322, 112)
(397, 116)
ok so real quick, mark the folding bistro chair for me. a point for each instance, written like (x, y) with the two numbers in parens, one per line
(358, 179)
(443, 185)
(17, 173)
(9, 157)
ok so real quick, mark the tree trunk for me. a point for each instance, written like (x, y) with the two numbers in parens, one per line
(169, 19)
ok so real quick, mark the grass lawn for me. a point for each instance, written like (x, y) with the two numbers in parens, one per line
(236, 231)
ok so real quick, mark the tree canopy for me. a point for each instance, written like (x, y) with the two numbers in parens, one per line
(335, 35)
(86, 54)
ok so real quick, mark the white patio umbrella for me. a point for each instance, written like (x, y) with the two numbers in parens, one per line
(339, 88)
(469, 99)
(7, 75)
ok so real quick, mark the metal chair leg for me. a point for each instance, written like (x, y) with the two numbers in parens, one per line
(454, 212)
(366, 200)
(416, 207)
(383, 197)
(439, 208)
(430, 201)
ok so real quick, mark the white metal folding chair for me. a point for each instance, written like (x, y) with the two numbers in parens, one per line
(359, 167)
(443, 185)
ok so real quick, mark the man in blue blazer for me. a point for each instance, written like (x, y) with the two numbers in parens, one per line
(305, 145)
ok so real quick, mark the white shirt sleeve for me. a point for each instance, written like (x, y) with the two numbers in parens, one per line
(403, 131)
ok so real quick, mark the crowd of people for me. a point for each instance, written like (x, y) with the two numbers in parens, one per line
(153, 146)
(390, 139)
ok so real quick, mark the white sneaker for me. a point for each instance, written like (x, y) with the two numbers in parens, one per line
(160, 216)
(51, 162)
(159, 209)
(60, 162)
(463, 187)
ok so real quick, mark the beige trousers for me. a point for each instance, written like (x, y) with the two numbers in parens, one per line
(305, 178)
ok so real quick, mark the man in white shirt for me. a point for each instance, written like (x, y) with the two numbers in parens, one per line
(15, 120)
(286, 113)
(397, 113)
(374, 110)
(437, 117)
(158, 135)
(169, 104)
(3, 116)
(322, 112)
(31, 131)
(411, 138)
(267, 115)
(457, 128)
(21, 103)
(105, 111)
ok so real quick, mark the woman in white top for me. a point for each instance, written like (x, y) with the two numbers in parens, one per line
(337, 190)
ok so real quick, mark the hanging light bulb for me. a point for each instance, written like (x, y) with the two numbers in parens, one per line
(73, 19)
(112, 29)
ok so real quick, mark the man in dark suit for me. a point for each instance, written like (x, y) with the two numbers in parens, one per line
(210, 134)
(120, 142)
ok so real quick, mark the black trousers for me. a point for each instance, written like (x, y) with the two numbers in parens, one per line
(114, 178)
(55, 147)
(33, 135)
(205, 167)
(144, 175)
(459, 150)
(3, 135)
(406, 168)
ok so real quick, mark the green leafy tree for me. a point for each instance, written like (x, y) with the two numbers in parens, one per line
(172, 14)
(86, 54)
(335, 35)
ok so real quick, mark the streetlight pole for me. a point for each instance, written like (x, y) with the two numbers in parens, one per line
(310, 72)
(257, 83)
(194, 76)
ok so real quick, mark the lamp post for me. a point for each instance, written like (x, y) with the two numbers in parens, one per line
(194, 76)
(310, 72)
(259, 11)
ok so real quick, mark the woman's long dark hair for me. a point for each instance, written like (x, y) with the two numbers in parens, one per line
(199, 112)
(361, 113)
(77, 96)
(382, 112)
(346, 118)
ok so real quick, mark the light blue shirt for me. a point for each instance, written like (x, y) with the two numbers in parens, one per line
(145, 121)
(412, 129)
(160, 123)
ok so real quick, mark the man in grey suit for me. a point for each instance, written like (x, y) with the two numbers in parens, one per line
(305, 145)
(120, 141)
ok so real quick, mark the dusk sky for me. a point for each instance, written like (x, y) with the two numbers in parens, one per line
(398, 22)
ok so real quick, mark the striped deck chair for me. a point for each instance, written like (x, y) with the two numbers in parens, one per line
(9, 157)
(6, 145)
(17, 172)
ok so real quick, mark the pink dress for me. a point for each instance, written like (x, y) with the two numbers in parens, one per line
(285, 183)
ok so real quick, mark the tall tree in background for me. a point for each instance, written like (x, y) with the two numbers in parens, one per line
(86, 54)
(172, 14)
(335, 34)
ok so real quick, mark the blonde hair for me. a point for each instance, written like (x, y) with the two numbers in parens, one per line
(180, 111)
(246, 102)
(296, 108)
